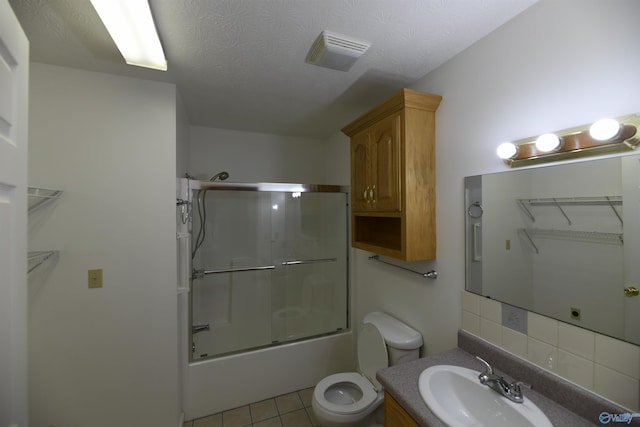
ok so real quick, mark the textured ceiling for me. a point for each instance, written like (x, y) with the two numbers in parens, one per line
(240, 64)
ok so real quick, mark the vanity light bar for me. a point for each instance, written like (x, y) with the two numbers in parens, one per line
(603, 137)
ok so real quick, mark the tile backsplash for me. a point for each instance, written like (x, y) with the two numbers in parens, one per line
(601, 364)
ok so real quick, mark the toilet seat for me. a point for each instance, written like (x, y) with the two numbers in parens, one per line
(369, 394)
(372, 356)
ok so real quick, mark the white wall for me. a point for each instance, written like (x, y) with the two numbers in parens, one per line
(183, 150)
(183, 145)
(257, 157)
(103, 357)
(337, 168)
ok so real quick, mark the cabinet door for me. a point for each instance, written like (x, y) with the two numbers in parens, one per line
(360, 172)
(385, 164)
(395, 415)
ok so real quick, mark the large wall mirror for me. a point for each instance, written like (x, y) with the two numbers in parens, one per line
(562, 241)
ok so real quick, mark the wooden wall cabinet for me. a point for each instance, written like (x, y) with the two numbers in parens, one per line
(375, 167)
(393, 177)
(395, 415)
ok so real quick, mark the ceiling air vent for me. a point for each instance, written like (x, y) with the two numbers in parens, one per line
(335, 51)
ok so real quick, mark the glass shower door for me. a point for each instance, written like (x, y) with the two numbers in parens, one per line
(271, 269)
(308, 291)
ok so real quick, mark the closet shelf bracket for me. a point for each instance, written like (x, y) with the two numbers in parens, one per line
(575, 235)
(559, 202)
(39, 196)
(531, 242)
(37, 258)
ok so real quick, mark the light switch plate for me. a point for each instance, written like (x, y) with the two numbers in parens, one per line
(95, 278)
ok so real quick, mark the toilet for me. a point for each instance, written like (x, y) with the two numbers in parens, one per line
(354, 399)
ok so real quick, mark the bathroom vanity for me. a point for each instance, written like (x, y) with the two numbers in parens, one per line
(563, 403)
(394, 413)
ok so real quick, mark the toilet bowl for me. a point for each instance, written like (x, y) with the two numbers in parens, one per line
(354, 399)
(348, 398)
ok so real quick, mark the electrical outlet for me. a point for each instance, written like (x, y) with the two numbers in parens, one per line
(507, 245)
(95, 278)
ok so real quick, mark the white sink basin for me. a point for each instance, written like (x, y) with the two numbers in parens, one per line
(454, 394)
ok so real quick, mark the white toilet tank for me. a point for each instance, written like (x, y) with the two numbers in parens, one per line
(403, 342)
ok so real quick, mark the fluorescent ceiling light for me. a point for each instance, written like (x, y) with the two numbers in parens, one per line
(131, 27)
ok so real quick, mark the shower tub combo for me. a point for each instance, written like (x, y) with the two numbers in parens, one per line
(265, 309)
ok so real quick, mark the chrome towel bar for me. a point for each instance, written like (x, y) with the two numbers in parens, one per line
(431, 274)
(309, 261)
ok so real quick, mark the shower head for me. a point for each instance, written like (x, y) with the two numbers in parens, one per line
(220, 176)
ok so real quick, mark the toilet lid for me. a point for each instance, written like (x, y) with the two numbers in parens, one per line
(372, 353)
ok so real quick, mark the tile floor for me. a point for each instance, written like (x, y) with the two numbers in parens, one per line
(288, 410)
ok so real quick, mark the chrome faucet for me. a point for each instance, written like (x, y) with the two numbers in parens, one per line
(499, 384)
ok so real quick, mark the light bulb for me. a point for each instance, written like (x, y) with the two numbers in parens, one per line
(604, 129)
(506, 150)
(547, 142)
